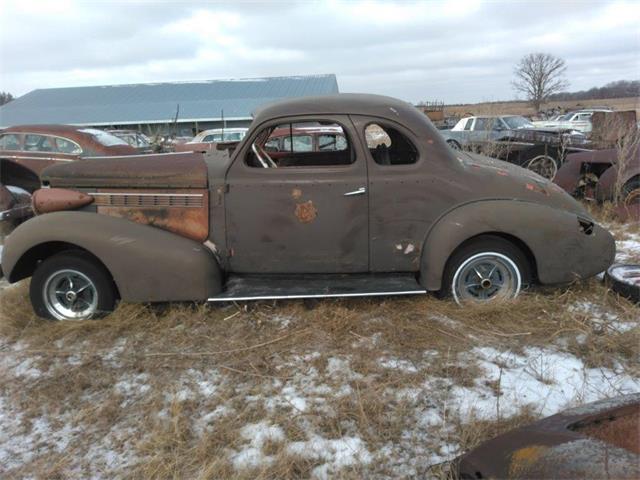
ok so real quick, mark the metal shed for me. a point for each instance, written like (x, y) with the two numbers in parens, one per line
(152, 106)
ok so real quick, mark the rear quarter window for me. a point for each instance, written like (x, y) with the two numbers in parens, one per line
(9, 141)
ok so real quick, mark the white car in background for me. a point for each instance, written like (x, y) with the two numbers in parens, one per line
(208, 139)
(579, 120)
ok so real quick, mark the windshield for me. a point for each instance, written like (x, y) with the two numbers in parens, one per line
(567, 116)
(517, 122)
(104, 138)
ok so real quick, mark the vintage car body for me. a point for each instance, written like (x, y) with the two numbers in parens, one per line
(596, 175)
(593, 441)
(26, 150)
(207, 139)
(516, 140)
(137, 140)
(404, 217)
(579, 120)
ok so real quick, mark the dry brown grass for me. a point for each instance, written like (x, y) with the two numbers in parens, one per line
(141, 382)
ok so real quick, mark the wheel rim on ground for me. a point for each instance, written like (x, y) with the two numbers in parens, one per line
(454, 145)
(70, 295)
(544, 166)
(484, 277)
(632, 197)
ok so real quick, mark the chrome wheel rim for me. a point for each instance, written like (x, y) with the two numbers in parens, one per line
(454, 145)
(486, 277)
(544, 166)
(70, 295)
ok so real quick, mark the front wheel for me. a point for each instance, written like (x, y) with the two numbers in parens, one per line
(72, 286)
(488, 269)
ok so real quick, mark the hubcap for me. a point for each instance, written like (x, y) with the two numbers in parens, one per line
(544, 166)
(486, 277)
(70, 295)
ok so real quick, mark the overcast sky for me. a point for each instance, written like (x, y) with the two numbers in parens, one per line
(455, 51)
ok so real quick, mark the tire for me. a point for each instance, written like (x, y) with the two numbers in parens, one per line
(495, 261)
(453, 144)
(72, 286)
(624, 279)
(631, 191)
(544, 165)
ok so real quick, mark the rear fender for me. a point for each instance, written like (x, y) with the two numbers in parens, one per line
(147, 264)
(549, 237)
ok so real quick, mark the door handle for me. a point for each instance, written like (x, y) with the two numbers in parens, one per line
(359, 191)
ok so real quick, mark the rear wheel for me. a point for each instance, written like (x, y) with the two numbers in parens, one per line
(488, 269)
(631, 192)
(72, 286)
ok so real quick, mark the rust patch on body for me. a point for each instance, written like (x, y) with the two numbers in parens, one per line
(306, 212)
(523, 459)
(171, 210)
(296, 193)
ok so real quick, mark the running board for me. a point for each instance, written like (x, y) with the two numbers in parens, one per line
(274, 287)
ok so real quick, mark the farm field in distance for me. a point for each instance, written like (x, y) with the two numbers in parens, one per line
(525, 108)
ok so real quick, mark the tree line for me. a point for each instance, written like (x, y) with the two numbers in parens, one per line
(618, 89)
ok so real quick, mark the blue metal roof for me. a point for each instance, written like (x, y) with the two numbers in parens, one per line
(157, 102)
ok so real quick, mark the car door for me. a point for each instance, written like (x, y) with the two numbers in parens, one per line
(305, 217)
(398, 191)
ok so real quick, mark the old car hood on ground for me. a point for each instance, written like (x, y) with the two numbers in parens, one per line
(167, 170)
(496, 176)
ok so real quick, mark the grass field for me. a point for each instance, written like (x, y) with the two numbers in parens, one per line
(524, 108)
(385, 388)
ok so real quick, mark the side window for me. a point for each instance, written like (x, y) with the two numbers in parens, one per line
(301, 143)
(388, 146)
(481, 124)
(467, 126)
(292, 145)
(331, 142)
(272, 145)
(38, 143)
(9, 141)
(208, 139)
(67, 146)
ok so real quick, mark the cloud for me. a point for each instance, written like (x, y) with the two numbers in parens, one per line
(451, 50)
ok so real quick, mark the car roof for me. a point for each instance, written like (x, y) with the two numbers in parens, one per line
(43, 129)
(344, 104)
(220, 130)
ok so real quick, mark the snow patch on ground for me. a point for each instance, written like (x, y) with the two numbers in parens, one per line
(547, 380)
(335, 453)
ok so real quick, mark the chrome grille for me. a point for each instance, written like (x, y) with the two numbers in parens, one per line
(148, 200)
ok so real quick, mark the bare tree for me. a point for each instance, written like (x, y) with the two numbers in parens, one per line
(539, 75)
(5, 97)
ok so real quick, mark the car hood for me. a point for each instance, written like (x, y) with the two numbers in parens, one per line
(496, 179)
(166, 170)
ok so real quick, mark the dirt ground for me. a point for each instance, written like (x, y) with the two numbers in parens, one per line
(368, 388)
(524, 108)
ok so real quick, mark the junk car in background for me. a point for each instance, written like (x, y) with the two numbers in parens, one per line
(137, 140)
(579, 120)
(389, 209)
(515, 139)
(26, 150)
(208, 139)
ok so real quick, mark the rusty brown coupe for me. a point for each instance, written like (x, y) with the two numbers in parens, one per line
(392, 211)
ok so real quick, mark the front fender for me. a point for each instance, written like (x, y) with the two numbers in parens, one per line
(561, 251)
(147, 264)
